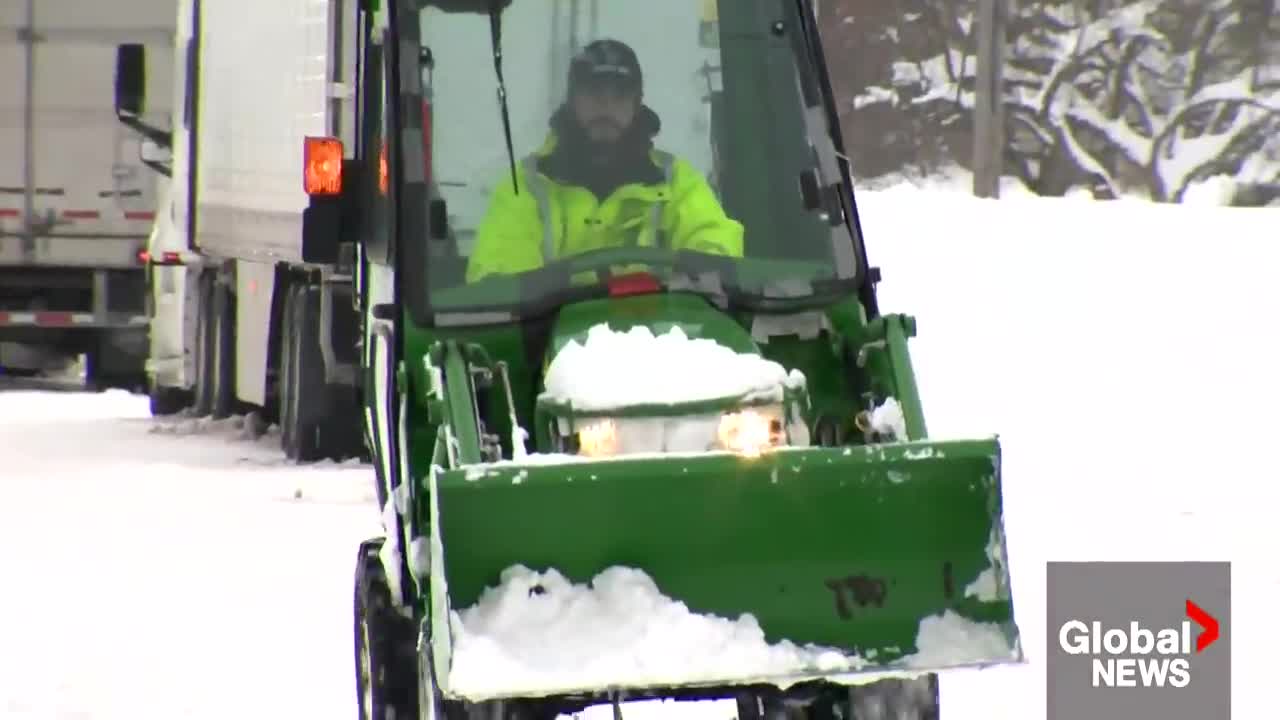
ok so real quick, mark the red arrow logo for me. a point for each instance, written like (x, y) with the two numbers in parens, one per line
(1204, 620)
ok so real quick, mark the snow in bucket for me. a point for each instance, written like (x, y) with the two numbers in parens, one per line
(537, 632)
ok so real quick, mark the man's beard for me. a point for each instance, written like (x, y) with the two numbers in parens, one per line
(578, 143)
(601, 144)
(602, 149)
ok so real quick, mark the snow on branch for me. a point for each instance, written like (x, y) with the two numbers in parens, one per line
(1145, 95)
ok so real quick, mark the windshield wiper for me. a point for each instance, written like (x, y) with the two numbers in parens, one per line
(495, 35)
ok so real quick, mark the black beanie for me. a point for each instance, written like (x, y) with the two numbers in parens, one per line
(604, 60)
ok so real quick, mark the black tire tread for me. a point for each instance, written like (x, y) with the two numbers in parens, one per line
(391, 638)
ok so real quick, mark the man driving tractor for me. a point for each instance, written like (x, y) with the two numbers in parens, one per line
(597, 182)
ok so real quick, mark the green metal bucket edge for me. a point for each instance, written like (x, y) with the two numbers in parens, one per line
(437, 638)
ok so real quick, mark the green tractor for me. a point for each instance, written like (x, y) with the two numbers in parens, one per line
(646, 470)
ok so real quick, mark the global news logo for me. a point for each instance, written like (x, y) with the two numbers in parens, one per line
(1139, 656)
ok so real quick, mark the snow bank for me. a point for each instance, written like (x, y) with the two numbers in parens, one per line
(616, 369)
(537, 632)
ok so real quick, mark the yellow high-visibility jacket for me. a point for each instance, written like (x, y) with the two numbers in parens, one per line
(548, 220)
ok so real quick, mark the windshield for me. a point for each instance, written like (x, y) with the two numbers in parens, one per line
(668, 136)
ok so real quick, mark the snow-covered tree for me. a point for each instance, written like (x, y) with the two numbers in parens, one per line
(1123, 96)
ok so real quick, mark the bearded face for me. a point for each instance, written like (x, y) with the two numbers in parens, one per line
(605, 110)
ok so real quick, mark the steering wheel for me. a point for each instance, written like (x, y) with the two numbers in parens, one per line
(602, 259)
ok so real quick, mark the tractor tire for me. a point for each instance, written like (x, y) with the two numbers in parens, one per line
(385, 654)
(889, 699)
(896, 699)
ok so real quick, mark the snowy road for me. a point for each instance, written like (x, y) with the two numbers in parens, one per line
(151, 574)
(1127, 356)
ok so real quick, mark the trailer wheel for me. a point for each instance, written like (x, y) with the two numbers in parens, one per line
(385, 654)
(117, 360)
(223, 352)
(203, 401)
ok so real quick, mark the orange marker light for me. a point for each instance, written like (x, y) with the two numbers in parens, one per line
(382, 169)
(322, 166)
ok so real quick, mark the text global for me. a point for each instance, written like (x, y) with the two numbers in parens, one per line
(1136, 657)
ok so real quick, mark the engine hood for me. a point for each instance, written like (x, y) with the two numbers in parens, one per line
(664, 373)
(657, 355)
(658, 312)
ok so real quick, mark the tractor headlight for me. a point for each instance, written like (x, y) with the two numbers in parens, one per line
(751, 431)
(748, 432)
(598, 438)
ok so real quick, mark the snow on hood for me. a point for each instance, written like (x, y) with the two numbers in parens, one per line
(616, 369)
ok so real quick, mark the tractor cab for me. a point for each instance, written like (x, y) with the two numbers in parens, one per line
(717, 171)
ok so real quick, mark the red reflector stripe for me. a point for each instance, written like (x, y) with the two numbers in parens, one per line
(54, 319)
(45, 319)
(137, 215)
(633, 284)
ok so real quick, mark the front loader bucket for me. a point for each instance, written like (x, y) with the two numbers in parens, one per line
(889, 557)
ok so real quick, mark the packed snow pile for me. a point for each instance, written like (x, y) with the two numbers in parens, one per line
(951, 640)
(537, 632)
(617, 369)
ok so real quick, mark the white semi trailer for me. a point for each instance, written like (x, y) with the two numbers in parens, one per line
(76, 197)
(243, 319)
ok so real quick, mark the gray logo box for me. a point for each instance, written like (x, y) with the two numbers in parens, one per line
(1155, 595)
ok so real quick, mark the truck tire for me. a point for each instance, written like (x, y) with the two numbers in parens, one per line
(223, 352)
(168, 400)
(385, 655)
(202, 404)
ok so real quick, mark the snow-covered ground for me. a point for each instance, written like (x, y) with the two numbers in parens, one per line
(1125, 352)
(169, 569)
